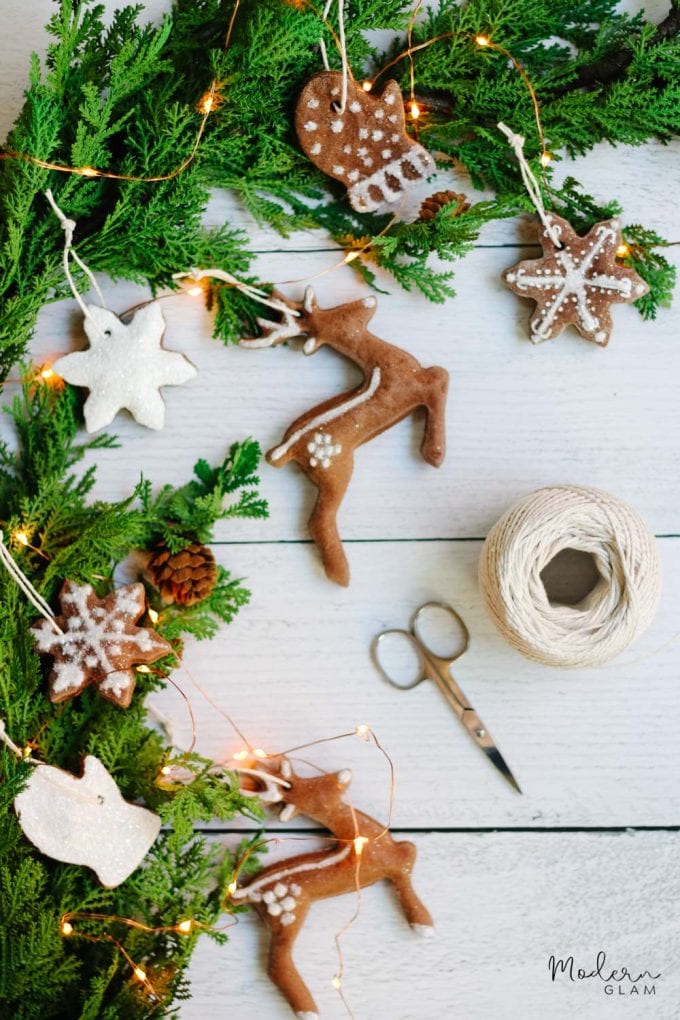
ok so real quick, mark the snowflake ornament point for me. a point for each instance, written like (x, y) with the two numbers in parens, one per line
(99, 643)
(124, 367)
(576, 281)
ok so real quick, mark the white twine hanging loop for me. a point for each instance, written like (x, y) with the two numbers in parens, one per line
(343, 49)
(530, 182)
(69, 226)
(18, 576)
(611, 616)
(254, 293)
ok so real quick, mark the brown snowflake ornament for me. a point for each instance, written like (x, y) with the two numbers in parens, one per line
(365, 146)
(576, 281)
(99, 642)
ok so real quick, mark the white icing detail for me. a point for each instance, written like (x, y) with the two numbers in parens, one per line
(286, 769)
(425, 930)
(347, 149)
(640, 288)
(94, 638)
(307, 1016)
(353, 175)
(394, 138)
(345, 777)
(379, 114)
(295, 869)
(268, 897)
(363, 132)
(328, 416)
(310, 125)
(359, 192)
(355, 107)
(337, 126)
(280, 889)
(289, 904)
(287, 919)
(377, 135)
(308, 302)
(367, 161)
(274, 909)
(338, 170)
(295, 889)
(386, 153)
(309, 346)
(287, 812)
(369, 302)
(571, 278)
(393, 118)
(323, 450)
(315, 149)
(313, 103)
(335, 92)
(362, 151)
(389, 99)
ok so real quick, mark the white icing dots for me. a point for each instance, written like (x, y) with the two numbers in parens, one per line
(363, 133)
(313, 103)
(377, 135)
(386, 153)
(338, 171)
(353, 175)
(337, 126)
(310, 125)
(389, 99)
(379, 114)
(315, 149)
(355, 107)
(323, 450)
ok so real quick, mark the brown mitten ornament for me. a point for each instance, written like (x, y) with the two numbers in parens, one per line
(322, 440)
(365, 146)
(364, 853)
(577, 282)
(99, 642)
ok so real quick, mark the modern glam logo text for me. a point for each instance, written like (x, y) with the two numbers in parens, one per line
(613, 980)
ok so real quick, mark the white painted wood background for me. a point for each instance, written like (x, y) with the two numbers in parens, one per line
(570, 867)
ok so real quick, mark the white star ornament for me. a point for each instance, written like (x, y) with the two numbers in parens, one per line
(124, 367)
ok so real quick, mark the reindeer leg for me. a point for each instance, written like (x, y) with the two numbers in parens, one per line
(436, 384)
(283, 971)
(323, 527)
(416, 913)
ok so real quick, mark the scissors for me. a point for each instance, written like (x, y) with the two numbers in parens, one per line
(432, 666)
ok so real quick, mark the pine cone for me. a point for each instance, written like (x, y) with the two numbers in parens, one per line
(434, 203)
(186, 577)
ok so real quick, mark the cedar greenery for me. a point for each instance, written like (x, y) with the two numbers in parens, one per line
(123, 98)
(42, 974)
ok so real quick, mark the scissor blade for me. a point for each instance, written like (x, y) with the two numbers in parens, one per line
(497, 759)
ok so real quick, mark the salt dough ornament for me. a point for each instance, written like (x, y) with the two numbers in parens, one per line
(124, 367)
(100, 642)
(577, 282)
(366, 147)
(282, 893)
(84, 820)
(322, 441)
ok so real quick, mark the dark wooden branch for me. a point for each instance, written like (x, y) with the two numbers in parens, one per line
(601, 72)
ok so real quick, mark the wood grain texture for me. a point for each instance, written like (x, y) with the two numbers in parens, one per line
(594, 748)
(503, 904)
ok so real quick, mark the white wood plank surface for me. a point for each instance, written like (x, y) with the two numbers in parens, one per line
(593, 749)
(503, 904)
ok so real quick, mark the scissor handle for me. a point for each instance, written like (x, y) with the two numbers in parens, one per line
(413, 641)
(416, 626)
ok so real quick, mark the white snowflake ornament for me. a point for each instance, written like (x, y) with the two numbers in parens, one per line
(124, 367)
(84, 820)
(98, 642)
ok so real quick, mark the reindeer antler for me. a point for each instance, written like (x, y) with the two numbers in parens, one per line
(272, 793)
(276, 332)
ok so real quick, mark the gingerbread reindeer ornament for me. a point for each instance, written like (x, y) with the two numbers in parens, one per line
(322, 441)
(364, 853)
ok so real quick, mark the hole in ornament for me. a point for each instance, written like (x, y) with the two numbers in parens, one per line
(100, 798)
(569, 577)
(107, 332)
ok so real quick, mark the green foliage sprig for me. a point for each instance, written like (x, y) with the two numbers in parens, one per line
(123, 97)
(42, 974)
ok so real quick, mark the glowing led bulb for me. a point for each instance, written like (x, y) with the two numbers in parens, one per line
(231, 888)
(166, 770)
(140, 974)
(482, 40)
(195, 291)
(362, 730)
(367, 85)
(359, 844)
(546, 158)
(142, 669)
(351, 256)
(184, 927)
(335, 981)
(414, 109)
(66, 928)
(88, 171)
(622, 251)
(259, 753)
(153, 615)
(207, 103)
(47, 374)
(240, 755)
(21, 537)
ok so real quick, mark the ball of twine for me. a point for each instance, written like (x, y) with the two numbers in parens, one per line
(611, 616)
